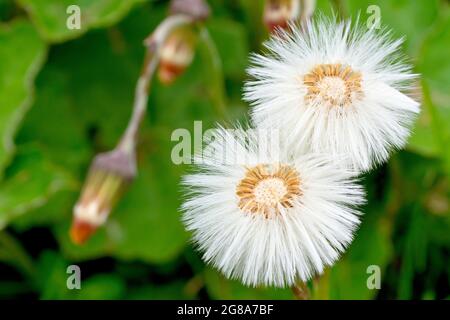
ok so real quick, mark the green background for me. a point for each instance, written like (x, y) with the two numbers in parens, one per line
(66, 95)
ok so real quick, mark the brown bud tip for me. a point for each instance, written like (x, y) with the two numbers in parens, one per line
(81, 231)
(168, 73)
(197, 9)
(279, 13)
(274, 25)
(176, 54)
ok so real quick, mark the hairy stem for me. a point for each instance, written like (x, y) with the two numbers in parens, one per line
(154, 43)
(301, 291)
(128, 141)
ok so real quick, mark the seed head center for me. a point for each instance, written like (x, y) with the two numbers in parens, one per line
(270, 191)
(333, 88)
(266, 189)
(333, 85)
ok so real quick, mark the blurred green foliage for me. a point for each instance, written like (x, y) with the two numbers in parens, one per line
(66, 95)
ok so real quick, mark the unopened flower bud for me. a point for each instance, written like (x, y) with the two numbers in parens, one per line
(177, 53)
(196, 9)
(278, 13)
(109, 176)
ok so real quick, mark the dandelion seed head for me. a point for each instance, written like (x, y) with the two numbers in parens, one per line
(337, 88)
(269, 218)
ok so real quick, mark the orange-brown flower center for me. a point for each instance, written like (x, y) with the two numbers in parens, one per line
(266, 189)
(333, 85)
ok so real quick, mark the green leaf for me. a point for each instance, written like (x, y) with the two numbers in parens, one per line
(221, 288)
(52, 280)
(29, 183)
(6, 9)
(12, 252)
(414, 252)
(422, 138)
(57, 209)
(432, 129)
(21, 56)
(434, 49)
(63, 136)
(252, 17)
(348, 278)
(425, 27)
(409, 19)
(101, 287)
(172, 290)
(50, 16)
(146, 225)
(52, 277)
(86, 92)
(230, 38)
(372, 246)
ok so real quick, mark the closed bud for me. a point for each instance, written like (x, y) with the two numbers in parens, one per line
(109, 176)
(278, 13)
(177, 53)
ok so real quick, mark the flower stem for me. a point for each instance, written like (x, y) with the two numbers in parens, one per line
(154, 43)
(128, 140)
(301, 291)
(321, 286)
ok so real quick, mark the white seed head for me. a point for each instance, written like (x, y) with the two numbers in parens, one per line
(336, 88)
(269, 219)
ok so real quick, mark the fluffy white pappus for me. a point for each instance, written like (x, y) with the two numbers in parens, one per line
(336, 88)
(269, 219)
